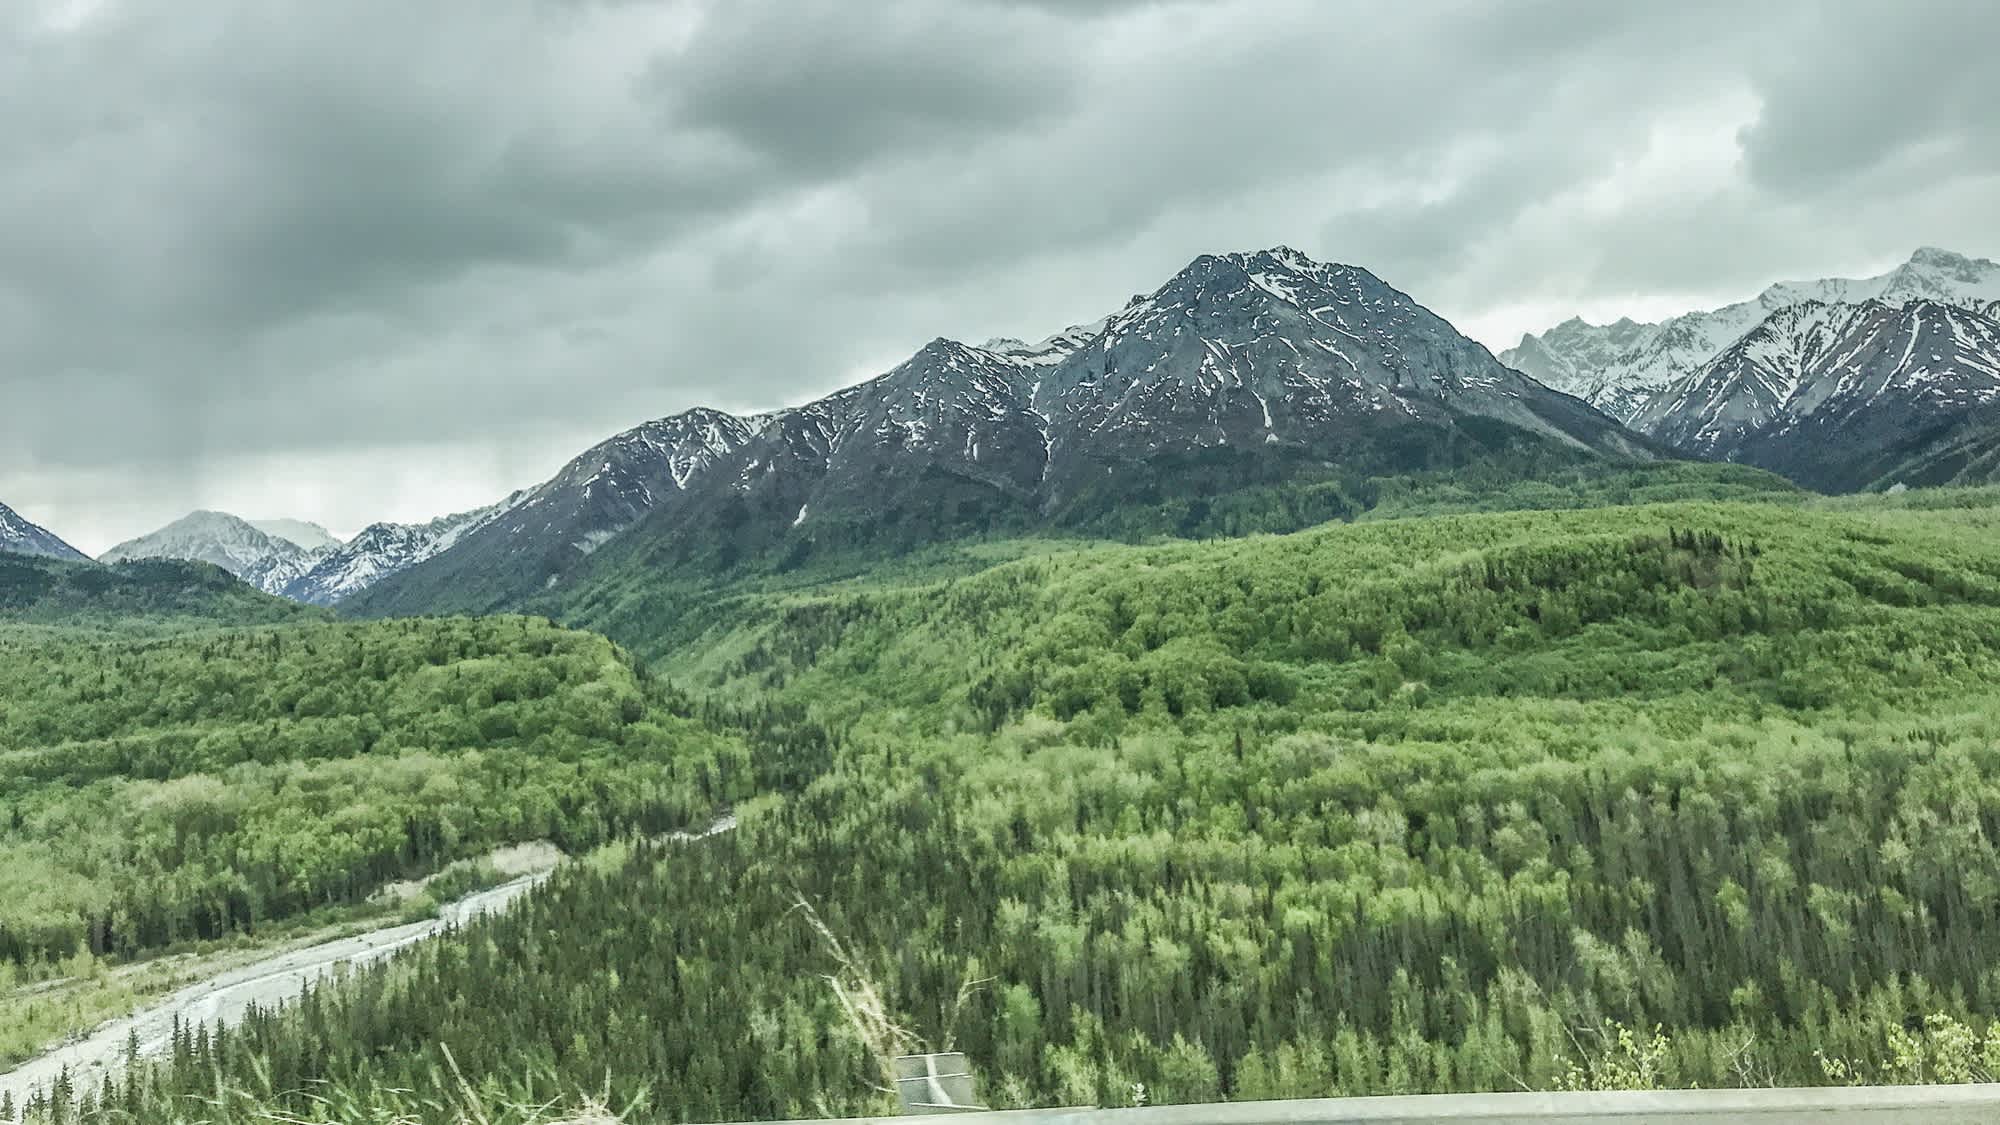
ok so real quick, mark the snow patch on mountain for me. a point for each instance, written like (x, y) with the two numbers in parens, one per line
(385, 549)
(1620, 367)
(227, 541)
(21, 536)
(310, 536)
(1827, 393)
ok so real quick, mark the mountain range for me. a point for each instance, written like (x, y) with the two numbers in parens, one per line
(1836, 396)
(302, 561)
(544, 530)
(1620, 368)
(236, 545)
(1839, 384)
(378, 552)
(1246, 382)
(1243, 370)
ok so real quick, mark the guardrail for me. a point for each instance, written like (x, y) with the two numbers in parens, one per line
(1931, 1105)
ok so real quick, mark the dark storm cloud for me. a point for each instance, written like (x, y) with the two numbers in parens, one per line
(254, 252)
(1879, 96)
(820, 87)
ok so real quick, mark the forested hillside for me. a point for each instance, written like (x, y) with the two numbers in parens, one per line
(163, 790)
(661, 605)
(1397, 807)
(140, 595)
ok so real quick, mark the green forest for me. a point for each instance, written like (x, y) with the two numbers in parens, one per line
(185, 787)
(1702, 793)
(136, 596)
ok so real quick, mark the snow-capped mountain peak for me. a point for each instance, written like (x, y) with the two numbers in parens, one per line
(537, 533)
(301, 533)
(1941, 275)
(1263, 363)
(268, 554)
(231, 543)
(382, 550)
(1619, 367)
(21, 536)
(1834, 395)
(1050, 351)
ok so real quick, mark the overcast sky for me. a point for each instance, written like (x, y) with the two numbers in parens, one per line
(376, 259)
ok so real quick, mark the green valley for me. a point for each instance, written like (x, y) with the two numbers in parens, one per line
(1698, 793)
(588, 563)
(201, 784)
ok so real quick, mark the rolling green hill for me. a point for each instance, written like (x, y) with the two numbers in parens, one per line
(142, 595)
(155, 791)
(1692, 793)
(1580, 605)
(660, 601)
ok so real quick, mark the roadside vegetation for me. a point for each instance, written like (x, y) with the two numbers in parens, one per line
(187, 788)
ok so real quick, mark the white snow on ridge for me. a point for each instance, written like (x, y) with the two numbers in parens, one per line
(302, 533)
(21, 536)
(1618, 367)
(385, 549)
(231, 543)
(1899, 362)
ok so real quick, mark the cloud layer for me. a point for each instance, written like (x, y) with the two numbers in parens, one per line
(377, 260)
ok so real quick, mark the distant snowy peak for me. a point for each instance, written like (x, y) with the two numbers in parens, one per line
(598, 494)
(382, 550)
(1708, 410)
(1940, 275)
(1619, 367)
(300, 533)
(298, 560)
(231, 543)
(20, 536)
(1050, 351)
(1831, 393)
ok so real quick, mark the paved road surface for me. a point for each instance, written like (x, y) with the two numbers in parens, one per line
(273, 980)
(226, 997)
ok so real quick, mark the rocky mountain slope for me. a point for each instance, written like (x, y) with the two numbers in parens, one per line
(1242, 370)
(1620, 367)
(309, 535)
(1838, 396)
(19, 536)
(1275, 349)
(302, 561)
(380, 551)
(1238, 357)
(236, 545)
(544, 530)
